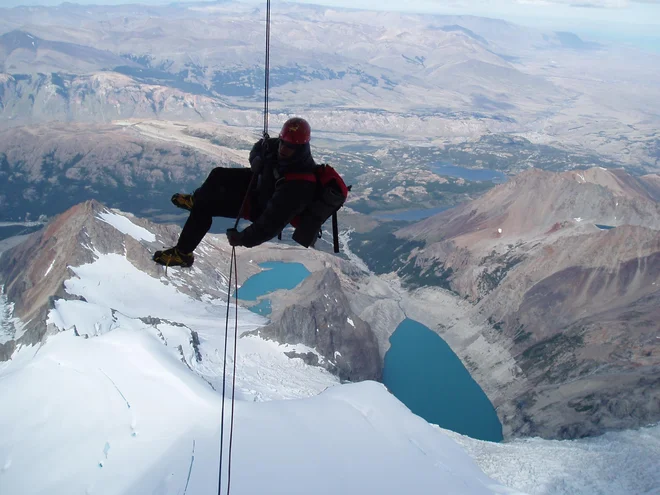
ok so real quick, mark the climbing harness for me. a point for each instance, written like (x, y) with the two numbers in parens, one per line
(233, 274)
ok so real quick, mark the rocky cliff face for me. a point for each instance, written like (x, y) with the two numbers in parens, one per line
(565, 269)
(34, 272)
(318, 314)
(584, 332)
(537, 201)
(652, 185)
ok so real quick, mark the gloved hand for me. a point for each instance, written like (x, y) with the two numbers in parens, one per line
(234, 237)
(256, 164)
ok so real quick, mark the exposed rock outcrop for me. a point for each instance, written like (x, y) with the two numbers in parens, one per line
(318, 315)
(34, 271)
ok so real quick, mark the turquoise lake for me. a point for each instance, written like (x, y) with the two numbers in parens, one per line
(423, 372)
(276, 275)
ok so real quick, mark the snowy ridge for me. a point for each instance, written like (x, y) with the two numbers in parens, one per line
(120, 414)
(116, 295)
(125, 226)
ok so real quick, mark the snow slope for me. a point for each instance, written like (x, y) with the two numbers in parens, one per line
(616, 463)
(119, 414)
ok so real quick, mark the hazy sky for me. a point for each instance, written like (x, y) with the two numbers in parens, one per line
(640, 17)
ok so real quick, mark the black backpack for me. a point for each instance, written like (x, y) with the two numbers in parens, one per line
(330, 196)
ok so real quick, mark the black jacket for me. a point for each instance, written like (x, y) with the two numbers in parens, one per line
(275, 201)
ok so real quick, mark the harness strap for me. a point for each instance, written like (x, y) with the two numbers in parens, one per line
(335, 233)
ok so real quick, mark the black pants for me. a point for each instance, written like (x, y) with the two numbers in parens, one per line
(221, 195)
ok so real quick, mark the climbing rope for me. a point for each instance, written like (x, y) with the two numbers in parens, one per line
(233, 381)
(267, 69)
(233, 274)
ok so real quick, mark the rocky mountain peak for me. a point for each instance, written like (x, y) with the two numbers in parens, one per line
(318, 315)
(33, 273)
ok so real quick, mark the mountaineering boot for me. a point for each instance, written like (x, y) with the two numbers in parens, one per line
(184, 201)
(173, 257)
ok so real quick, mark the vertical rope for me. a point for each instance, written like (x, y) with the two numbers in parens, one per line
(233, 383)
(233, 273)
(224, 372)
(267, 71)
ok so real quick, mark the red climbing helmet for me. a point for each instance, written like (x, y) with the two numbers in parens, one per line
(296, 131)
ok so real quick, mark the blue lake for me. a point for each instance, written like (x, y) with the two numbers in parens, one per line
(423, 372)
(474, 174)
(604, 227)
(276, 275)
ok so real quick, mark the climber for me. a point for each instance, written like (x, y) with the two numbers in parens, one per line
(282, 190)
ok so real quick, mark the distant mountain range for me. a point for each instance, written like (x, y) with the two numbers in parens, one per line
(136, 165)
(22, 52)
(433, 79)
